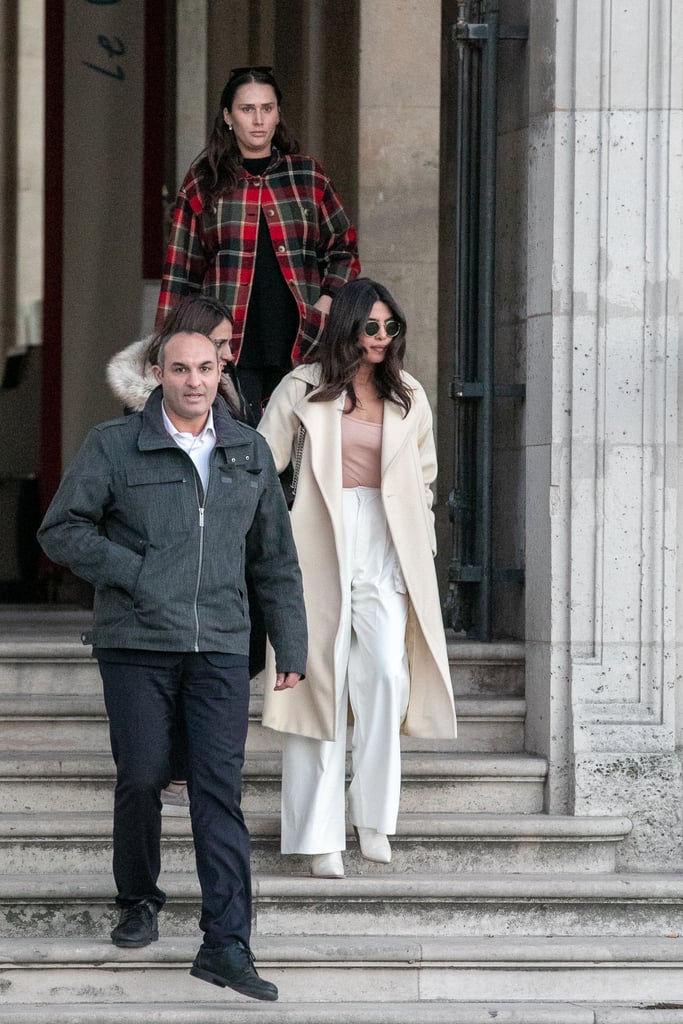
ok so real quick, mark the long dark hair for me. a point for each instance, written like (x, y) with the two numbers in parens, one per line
(340, 351)
(220, 165)
(199, 314)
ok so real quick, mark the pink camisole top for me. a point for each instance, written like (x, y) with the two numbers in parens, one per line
(361, 453)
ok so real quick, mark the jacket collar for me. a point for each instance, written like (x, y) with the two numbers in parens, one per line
(153, 433)
(309, 372)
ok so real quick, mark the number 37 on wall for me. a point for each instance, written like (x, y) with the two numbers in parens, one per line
(113, 46)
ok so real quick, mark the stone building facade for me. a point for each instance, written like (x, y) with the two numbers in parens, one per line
(586, 471)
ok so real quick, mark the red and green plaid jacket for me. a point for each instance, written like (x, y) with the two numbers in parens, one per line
(212, 249)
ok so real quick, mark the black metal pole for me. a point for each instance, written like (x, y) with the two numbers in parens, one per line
(487, 310)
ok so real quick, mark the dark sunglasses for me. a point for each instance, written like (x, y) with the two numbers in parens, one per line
(260, 70)
(391, 328)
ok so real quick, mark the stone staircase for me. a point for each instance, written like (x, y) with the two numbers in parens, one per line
(491, 910)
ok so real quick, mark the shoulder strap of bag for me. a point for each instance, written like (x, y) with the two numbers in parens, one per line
(299, 449)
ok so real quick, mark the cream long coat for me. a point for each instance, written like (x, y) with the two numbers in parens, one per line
(408, 469)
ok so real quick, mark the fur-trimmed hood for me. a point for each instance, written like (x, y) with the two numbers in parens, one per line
(130, 378)
(129, 375)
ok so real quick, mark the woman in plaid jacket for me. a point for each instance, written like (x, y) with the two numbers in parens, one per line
(259, 226)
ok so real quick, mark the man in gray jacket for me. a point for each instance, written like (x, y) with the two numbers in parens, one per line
(161, 511)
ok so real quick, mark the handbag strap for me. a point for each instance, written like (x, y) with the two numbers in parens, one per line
(299, 450)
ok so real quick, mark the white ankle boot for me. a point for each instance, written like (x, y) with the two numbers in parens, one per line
(327, 865)
(373, 845)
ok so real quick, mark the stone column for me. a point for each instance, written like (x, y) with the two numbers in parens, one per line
(193, 112)
(102, 273)
(8, 174)
(603, 352)
(398, 176)
(30, 159)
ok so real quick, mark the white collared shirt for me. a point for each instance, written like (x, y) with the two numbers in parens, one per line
(199, 448)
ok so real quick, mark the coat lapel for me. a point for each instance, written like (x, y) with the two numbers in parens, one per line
(322, 421)
(395, 433)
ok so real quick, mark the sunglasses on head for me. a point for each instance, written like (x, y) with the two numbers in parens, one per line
(391, 328)
(259, 69)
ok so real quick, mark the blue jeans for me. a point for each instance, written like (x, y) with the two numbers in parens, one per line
(142, 696)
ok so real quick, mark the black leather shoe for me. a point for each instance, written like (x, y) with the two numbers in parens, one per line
(137, 925)
(232, 967)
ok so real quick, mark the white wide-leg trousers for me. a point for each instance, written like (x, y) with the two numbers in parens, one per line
(372, 674)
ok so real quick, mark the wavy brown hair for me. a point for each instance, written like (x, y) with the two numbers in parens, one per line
(220, 165)
(340, 351)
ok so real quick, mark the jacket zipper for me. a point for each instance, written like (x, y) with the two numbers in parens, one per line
(201, 561)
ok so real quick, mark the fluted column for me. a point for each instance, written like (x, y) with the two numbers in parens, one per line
(604, 337)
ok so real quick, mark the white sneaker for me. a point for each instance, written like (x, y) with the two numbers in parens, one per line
(175, 800)
(373, 845)
(327, 865)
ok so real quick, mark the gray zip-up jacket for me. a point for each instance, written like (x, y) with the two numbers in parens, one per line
(167, 561)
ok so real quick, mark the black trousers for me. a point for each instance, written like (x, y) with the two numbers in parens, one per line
(142, 700)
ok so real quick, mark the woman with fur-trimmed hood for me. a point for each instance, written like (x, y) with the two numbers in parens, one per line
(129, 373)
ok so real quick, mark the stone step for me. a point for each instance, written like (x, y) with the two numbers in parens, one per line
(47, 666)
(351, 969)
(63, 842)
(487, 670)
(472, 904)
(450, 905)
(484, 724)
(41, 653)
(410, 1012)
(39, 624)
(60, 721)
(431, 780)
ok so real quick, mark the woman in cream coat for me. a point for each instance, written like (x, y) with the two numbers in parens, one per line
(364, 531)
